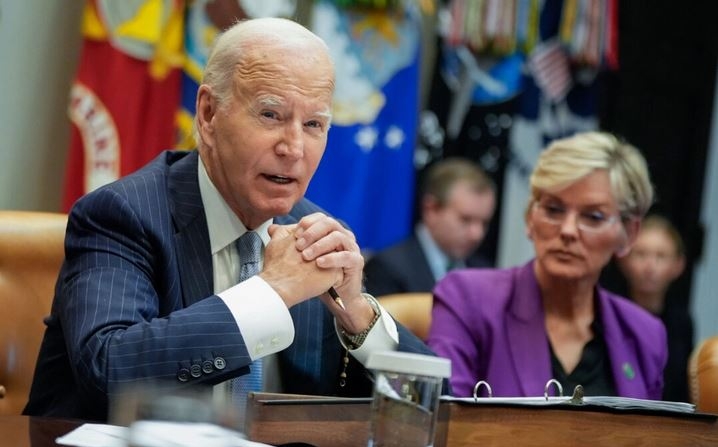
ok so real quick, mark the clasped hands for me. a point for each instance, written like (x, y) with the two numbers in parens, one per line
(305, 259)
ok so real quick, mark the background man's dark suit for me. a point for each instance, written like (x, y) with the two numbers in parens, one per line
(404, 268)
(137, 281)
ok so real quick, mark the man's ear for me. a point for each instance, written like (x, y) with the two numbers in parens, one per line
(630, 232)
(429, 203)
(205, 110)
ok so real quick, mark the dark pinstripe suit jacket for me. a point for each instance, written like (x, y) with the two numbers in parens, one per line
(134, 301)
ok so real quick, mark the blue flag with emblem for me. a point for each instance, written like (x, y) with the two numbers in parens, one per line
(199, 35)
(366, 176)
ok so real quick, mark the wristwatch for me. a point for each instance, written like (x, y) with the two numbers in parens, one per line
(354, 341)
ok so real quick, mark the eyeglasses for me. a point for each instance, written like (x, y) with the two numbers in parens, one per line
(587, 221)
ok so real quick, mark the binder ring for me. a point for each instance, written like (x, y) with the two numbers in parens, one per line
(548, 385)
(484, 383)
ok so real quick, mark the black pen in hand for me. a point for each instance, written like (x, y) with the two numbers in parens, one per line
(337, 299)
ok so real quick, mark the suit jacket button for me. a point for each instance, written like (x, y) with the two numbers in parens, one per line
(207, 367)
(195, 370)
(183, 375)
(219, 363)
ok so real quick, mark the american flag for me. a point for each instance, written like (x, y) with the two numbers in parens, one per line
(549, 66)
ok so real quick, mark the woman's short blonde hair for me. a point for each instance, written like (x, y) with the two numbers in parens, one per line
(568, 160)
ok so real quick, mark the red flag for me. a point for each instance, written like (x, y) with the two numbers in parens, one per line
(127, 91)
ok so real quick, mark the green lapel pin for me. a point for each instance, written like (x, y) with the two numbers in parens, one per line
(628, 371)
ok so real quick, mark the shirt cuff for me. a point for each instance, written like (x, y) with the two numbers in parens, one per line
(261, 315)
(382, 337)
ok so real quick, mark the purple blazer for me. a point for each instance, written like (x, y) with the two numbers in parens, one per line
(490, 324)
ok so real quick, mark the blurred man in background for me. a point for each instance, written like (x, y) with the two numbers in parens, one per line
(457, 202)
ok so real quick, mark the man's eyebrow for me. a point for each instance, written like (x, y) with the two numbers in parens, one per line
(269, 101)
(275, 101)
(326, 114)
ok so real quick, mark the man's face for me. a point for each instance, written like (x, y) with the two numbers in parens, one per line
(263, 146)
(459, 226)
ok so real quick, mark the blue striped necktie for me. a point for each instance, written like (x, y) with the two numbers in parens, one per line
(250, 252)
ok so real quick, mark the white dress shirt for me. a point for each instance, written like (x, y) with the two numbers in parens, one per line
(437, 259)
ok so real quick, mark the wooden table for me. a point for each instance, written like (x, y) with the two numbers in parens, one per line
(26, 431)
(545, 426)
(277, 419)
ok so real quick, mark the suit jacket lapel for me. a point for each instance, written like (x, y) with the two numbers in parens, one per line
(621, 352)
(310, 365)
(192, 236)
(421, 272)
(526, 334)
(302, 359)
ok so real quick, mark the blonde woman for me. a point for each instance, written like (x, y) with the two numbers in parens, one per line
(519, 327)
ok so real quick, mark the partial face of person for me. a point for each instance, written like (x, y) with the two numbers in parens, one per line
(263, 146)
(576, 230)
(653, 262)
(459, 226)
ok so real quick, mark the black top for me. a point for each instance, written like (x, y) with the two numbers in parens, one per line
(679, 330)
(593, 371)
